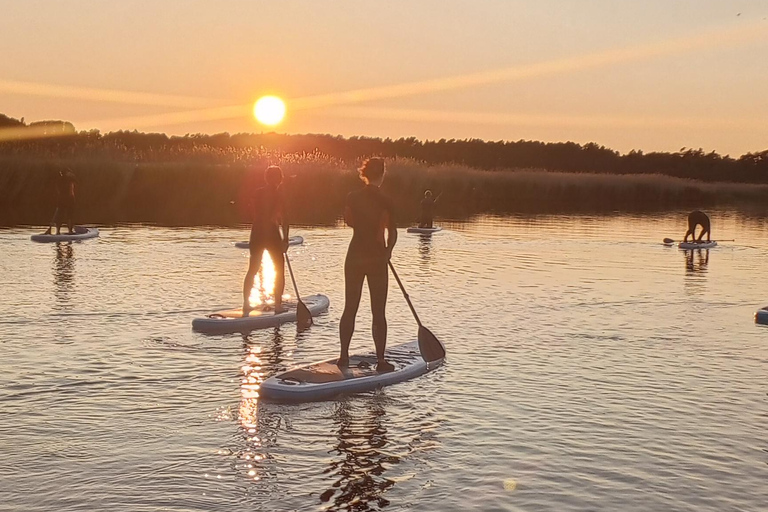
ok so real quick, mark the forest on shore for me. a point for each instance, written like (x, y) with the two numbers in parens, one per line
(204, 179)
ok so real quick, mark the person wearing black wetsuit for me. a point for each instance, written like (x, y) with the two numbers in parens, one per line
(268, 216)
(65, 202)
(427, 209)
(369, 213)
(697, 218)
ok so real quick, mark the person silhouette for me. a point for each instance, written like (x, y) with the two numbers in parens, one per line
(268, 209)
(697, 218)
(369, 213)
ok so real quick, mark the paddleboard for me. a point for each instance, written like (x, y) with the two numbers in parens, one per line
(231, 320)
(424, 231)
(761, 316)
(697, 245)
(294, 240)
(81, 233)
(324, 380)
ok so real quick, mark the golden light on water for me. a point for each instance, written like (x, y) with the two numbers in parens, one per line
(269, 110)
(248, 410)
(262, 292)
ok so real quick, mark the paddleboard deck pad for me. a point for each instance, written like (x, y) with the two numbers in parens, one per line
(231, 320)
(697, 245)
(324, 379)
(423, 231)
(761, 316)
(294, 240)
(81, 233)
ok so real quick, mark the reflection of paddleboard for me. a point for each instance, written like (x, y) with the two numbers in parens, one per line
(761, 316)
(232, 320)
(424, 231)
(323, 380)
(81, 233)
(697, 245)
(294, 240)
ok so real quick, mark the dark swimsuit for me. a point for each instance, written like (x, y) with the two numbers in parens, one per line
(265, 231)
(427, 212)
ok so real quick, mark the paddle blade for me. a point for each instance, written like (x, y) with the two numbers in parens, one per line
(303, 316)
(430, 347)
(668, 241)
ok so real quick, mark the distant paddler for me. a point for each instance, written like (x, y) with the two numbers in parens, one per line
(369, 213)
(697, 218)
(65, 203)
(268, 209)
(428, 209)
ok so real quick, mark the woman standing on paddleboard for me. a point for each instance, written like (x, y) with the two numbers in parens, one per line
(369, 213)
(268, 216)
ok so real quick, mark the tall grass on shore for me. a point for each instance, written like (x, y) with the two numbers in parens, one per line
(197, 193)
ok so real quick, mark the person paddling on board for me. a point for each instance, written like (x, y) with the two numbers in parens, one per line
(697, 218)
(65, 202)
(369, 213)
(268, 216)
(428, 209)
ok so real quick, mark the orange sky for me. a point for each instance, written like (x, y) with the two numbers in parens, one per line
(653, 75)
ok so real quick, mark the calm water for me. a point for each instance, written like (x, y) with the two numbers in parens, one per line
(589, 368)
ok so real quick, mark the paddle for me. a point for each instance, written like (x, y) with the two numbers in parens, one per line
(670, 241)
(303, 316)
(430, 347)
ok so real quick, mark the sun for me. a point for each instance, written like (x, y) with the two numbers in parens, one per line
(269, 110)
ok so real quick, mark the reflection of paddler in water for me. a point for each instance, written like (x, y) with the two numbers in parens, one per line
(268, 208)
(697, 218)
(428, 209)
(64, 270)
(361, 444)
(369, 213)
(701, 262)
(65, 202)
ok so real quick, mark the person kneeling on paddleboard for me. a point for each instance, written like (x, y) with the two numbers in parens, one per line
(268, 215)
(369, 213)
(697, 218)
(428, 209)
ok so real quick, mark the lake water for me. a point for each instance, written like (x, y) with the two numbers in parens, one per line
(589, 368)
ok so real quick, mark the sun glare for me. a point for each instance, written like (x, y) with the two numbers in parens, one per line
(269, 110)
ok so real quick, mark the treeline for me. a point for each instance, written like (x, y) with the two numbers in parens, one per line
(61, 140)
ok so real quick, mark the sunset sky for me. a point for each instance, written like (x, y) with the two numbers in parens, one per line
(650, 75)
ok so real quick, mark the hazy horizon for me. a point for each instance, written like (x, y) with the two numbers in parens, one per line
(653, 77)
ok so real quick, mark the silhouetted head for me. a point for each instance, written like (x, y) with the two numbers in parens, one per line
(428, 194)
(372, 171)
(273, 175)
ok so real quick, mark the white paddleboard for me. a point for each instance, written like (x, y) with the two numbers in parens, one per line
(761, 316)
(294, 240)
(697, 245)
(424, 231)
(81, 233)
(324, 380)
(231, 320)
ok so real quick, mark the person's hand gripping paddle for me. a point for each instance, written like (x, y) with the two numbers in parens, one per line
(430, 347)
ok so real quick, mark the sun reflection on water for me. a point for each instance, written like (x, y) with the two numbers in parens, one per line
(252, 377)
(262, 293)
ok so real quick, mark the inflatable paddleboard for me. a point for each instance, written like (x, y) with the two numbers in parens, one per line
(324, 380)
(761, 316)
(697, 245)
(231, 320)
(294, 240)
(81, 233)
(424, 231)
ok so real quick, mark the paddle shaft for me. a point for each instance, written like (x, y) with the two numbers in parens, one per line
(293, 279)
(405, 294)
